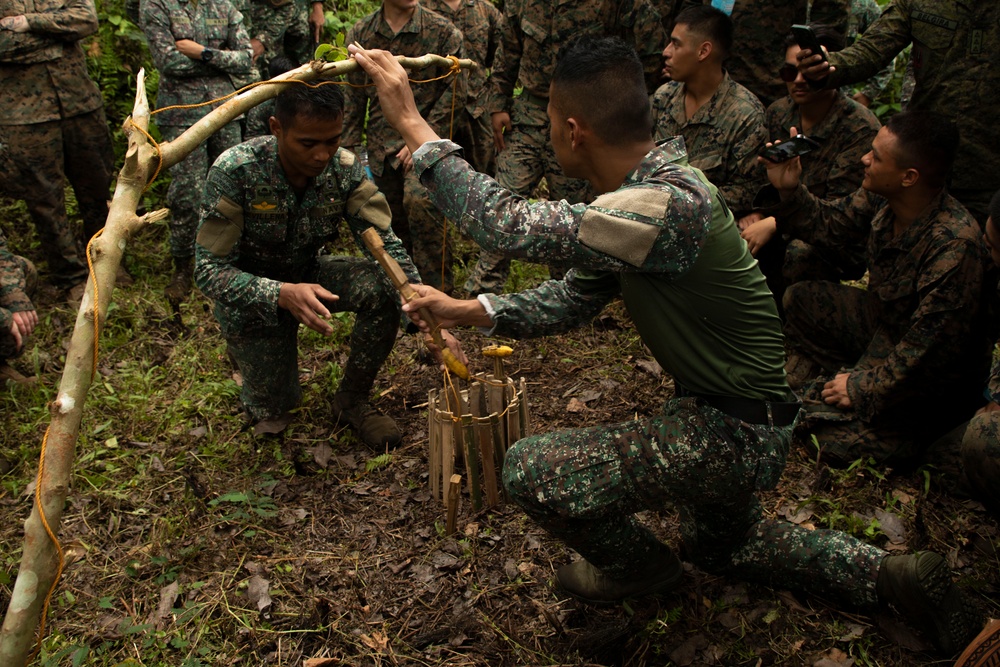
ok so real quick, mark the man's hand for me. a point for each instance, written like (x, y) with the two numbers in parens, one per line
(813, 66)
(501, 123)
(835, 391)
(16, 333)
(449, 312)
(784, 176)
(302, 300)
(25, 320)
(759, 233)
(317, 19)
(15, 23)
(190, 48)
(451, 343)
(405, 159)
(394, 94)
(258, 48)
(748, 220)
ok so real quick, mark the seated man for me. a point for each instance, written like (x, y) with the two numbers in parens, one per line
(17, 314)
(844, 130)
(911, 343)
(660, 236)
(270, 204)
(721, 121)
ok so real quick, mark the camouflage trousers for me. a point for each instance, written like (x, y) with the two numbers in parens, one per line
(44, 156)
(268, 356)
(187, 183)
(425, 233)
(585, 485)
(475, 136)
(287, 31)
(28, 283)
(968, 459)
(527, 157)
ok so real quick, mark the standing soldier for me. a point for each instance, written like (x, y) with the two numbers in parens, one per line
(52, 122)
(407, 29)
(280, 27)
(17, 314)
(196, 47)
(533, 33)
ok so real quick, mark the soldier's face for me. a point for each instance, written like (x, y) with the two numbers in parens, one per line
(681, 54)
(883, 174)
(307, 144)
(799, 89)
(992, 239)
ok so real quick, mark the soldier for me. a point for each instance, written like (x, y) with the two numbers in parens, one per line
(479, 22)
(956, 62)
(282, 27)
(406, 28)
(864, 13)
(196, 47)
(661, 237)
(760, 27)
(912, 343)
(270, 204)
(533, 33)
(721, 121)
(17, 314)
(52, 123)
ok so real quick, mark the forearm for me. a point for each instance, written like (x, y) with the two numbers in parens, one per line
(875, 49)
(74, 21)
(236, 290)
(554, 307)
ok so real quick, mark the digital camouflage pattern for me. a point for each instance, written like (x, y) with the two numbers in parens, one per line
(913, 342)
(723, 137)
(759, 31)
(256, 233)
(956, 64)
(421, 227)
(52, 125)
(584, 485)
(863, 14)
(274, 23)
(17, 281)
(259, 120)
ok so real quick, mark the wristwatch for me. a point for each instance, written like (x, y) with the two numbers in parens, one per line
(207, 55)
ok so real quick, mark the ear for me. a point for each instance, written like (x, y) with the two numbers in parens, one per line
(705, 50)
(275, 126)
(576, 132)
(910, 178)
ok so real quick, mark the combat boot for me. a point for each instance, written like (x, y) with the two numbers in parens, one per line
(375, 429)
(180, 283)
(585, 582)
(920, 587)
(799, 369)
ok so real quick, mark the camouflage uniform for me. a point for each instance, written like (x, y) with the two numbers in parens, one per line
(259, 120)
(666, 242)
(863, 14)
(832, 171)
(913, 341)
(479, 22)
(53, 126)
(17, 284)
(723, 137)
(759, 30)
(216, 25)
(956, 59)
(277, 23)
(532, 34)
(421, 226)
(256, 233)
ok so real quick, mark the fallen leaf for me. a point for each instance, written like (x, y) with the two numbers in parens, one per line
(321, 454)
(320, 662)
(892, 526)
(376, 642)
(854, 631)
(684, 654)
(156, 464)
(835, 658)
(198, 432)
(589, 396)
(443, 561)
(161, 615)
(257, 592)
(575, 405)
(650, 366)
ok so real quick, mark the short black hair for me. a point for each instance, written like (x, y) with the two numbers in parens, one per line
(927, 142)
(994, 210)
(712, 24)
(826, 35)
(279, 65)
(311, 100)
(601, 81)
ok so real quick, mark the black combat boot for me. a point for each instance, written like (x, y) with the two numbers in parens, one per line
(375, 429)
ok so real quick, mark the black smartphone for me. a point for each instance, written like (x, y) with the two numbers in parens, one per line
(806, 39)
(789, 148)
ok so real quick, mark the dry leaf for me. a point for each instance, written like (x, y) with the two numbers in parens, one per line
(257, 592)
(892, 526)
(650, 366)
(575, 405)
(160, 617)
(320, 662)
(321, 453)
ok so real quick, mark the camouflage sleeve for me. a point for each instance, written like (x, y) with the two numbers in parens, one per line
(439, 116)
(237, 57)
(663, 232)
(743, 175)
(948, 293)
(863, 14)
(155, 19)
(555, 306)
(507, 63)
(833, 13)
(875, 49)
(355, 102)
(495, 21)
(993, 387)
(12, 295)
(14, 45)
(218, 248)
(836, 223)
(74, 21)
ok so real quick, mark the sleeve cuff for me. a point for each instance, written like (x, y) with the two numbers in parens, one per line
(488, 307)
(431, 152)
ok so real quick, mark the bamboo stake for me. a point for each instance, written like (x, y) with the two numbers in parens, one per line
(454, 494)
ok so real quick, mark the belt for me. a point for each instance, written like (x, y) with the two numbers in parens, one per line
(531, 98)
(750, 410)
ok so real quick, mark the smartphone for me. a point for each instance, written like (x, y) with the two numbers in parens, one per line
(789, 148)
(806, 39)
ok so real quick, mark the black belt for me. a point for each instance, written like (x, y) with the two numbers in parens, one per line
(537, 100)
(750, 410)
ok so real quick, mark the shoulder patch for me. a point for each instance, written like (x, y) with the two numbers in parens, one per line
(221, 230)
(367, 203)
(347, 158)
(625, 223)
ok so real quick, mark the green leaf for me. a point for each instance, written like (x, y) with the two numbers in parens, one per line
(321, 51)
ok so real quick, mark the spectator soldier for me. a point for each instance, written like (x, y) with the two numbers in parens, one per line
(17, 314)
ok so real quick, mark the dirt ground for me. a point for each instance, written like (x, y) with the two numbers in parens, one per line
(191, 542)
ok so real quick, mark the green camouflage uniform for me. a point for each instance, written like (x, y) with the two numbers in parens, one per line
(421, 227)
(257, 233)
(723, 137)
(532, 34)
(832, 171)
(759, 31)
(913, 341)
(216, 25)
(53, 127)
(259, 120)
(278, 25)
(479, 22)
(863, 14)
(17, 283)
(956, 63)
(666, 242)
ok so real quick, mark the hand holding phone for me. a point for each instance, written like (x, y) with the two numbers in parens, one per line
(785, 150)
(806, 39)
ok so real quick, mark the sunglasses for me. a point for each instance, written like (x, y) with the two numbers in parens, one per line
(788, 73)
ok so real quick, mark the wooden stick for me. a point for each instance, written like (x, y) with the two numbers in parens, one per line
(484, 435)
(434, 445)
(454, 491)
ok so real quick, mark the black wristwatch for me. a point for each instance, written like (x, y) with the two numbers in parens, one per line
(207, 55)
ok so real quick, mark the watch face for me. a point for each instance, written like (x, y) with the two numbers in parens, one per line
(206, 55)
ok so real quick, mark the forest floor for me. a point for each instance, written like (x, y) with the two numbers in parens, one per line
(191, 542)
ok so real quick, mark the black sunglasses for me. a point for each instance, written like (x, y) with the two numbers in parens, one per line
(788, 73)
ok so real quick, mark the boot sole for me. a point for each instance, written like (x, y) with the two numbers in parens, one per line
(946, 617)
